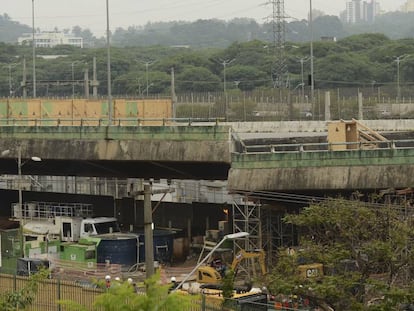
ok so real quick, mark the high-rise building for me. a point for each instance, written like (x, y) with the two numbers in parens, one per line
(353, 11)
(361, 11)
(408, 6)
(370, 11)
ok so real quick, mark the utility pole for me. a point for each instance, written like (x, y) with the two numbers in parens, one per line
(148, 231)
(225, 63)
(34, 51)
(24, 81)
(302, 61)
(311, 53)
(94, 82)
(73, 80)
(149, 225)
(10, 80)
(398, 60)
(86, 78)
(108, 52)
(147, 64)
(173, 95)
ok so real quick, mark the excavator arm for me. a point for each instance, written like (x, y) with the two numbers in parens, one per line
(242, 254)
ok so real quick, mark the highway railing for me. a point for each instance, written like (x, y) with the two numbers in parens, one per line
(323, 147)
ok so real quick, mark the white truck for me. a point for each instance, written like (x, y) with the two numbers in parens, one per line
(46, 224)
(70, 229)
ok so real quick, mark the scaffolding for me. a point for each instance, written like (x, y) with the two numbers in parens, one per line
(49, 210)
(276, 233)
(266, 229)
(246, 218)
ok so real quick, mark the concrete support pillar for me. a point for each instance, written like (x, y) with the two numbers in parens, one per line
(360, 107)
(327, 106)
(149, 248)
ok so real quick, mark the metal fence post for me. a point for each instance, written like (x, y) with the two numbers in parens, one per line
(58, 294)
(203, 303)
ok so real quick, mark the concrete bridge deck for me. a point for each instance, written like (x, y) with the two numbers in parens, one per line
(182, 152)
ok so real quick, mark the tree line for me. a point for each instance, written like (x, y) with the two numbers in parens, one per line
(366, 60)
(220, 34)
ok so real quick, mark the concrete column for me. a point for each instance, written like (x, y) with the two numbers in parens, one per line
(149, 248)
(360, 107)
(327, 106)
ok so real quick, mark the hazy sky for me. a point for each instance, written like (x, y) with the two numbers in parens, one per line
(123, 13)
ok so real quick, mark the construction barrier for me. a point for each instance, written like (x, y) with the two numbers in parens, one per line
(84, 112)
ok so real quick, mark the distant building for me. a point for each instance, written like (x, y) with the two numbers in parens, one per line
(358, 11)
(408, 6)
(370, 11)
(328, 39)
(48, 39)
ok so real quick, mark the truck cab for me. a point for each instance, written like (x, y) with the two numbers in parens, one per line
(98, 225)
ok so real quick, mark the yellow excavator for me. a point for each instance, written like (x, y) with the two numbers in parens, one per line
(214, 274)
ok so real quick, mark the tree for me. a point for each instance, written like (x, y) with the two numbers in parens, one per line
(122, 297)
(366, 251)
(197, 79)
(23, 298)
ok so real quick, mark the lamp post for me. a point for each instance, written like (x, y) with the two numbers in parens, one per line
(231, 236)
(19, 172)
(10, 79)
(20, 164)
(398, 61)
(34, 51)
(147, 64)
(73, 80)
(311, 50)
(108, 50)
(302, 61)
(225, 63)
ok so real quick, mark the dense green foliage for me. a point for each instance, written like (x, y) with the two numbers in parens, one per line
(121, 296)
(219, 33)
(20, 299)
(366, 251)
(356, 61)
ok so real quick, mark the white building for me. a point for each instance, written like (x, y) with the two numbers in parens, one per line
(48, 39)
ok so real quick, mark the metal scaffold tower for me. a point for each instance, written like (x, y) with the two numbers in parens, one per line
(246, 218)
(279, 70)
(265, 226)
(276, 233)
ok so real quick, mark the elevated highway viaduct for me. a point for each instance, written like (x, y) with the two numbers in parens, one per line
(215, 151)
(257, 160)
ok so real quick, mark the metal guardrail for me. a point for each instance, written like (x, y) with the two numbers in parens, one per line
(104, 122)
(324, 147)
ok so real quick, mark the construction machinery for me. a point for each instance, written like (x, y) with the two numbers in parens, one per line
(214, 273)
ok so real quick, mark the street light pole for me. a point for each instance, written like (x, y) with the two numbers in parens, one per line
(302, 61)
(146, 75)
(231, 236)
(311, 51)
(108, 49)
(34, 51)
(225, 63)
(73, 80)
(10, 82)
(398, 61)
(19, 210)
(19, 186)
(147, 64)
